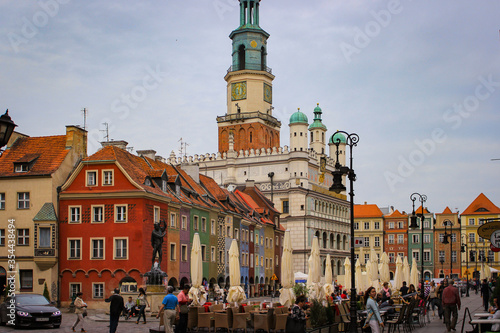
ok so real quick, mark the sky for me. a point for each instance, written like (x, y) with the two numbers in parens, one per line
(418, 81)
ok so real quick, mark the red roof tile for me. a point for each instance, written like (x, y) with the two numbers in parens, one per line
(396, 214)
(367, 210)
(481, 206)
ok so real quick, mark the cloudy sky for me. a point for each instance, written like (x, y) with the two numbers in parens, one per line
(418, 81)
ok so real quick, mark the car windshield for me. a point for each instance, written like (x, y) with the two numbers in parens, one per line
(31, 300)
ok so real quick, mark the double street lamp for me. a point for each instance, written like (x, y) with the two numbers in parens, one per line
(463, 248)
(414, 225)
(6, 129)
(445, 241)
(351, 140)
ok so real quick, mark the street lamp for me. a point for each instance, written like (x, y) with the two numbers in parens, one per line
(337, 187)
(445, 241)
(463, 248)
(414, 225)
(6, 128)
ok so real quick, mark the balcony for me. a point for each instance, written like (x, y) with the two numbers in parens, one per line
(45, 258)
(235, 117)
(251, 67)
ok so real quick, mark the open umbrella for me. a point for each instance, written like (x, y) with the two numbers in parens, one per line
(406, 271)
(314, 274)
(398, 276)
(414, 273)
(347, 274)
(385, 274)
(236, 293)
(197, 293)
(287, 295)
(328, 286)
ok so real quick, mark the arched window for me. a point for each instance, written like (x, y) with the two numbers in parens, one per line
(241, 57)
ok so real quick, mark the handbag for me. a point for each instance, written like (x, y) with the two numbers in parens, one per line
(184, 309)
(294, 325)
(84, 313)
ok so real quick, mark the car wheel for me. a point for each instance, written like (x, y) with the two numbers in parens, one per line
(57, 326)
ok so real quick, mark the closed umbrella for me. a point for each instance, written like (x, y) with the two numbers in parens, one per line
(482, 273)
(406, 271)
(287, 295)
(414, 273)
(197, 293)
(385, 274)
(360, 278)
(369, 274)
(236, 293)
(374, 268)
(347, 275)
(328, 286)
(314, 274)
(487, 271)
(398, 276)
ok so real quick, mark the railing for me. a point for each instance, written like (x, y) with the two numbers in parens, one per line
(249, 115)
(252, 67)
(45, 252)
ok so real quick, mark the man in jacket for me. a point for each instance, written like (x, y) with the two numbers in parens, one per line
(485, 294)
(115, 309)
(451, 301)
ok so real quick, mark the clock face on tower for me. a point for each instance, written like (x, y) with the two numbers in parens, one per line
(238, 91)
(268, 93)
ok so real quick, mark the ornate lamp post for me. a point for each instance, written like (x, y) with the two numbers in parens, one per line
(441, 260)
(445, 241)
(337, 187)
(414, 225)
(463, 248)
(6, 129)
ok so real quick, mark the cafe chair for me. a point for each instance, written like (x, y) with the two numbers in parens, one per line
(239, 322)
(280, 322)
(205, 320)
(262, 321)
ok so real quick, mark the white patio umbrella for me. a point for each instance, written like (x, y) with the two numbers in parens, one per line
(406, 271)
(360, 278)
(482, 273)
(328, 286)
(236, 293)
(384, 272)
(287, 295)
(347, 275)
(314, 274)
(197, 293)
(374, 269)
(398, 276)
(414, 274)
(369, 274)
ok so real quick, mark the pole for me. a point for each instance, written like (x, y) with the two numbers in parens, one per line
(422, 258)
(354, 307)
(451, 250)
(467, 264)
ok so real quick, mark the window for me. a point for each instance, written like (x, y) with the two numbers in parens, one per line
(251, 236)
(107, 177)
(156, 215)
(377, 225)
(212, 253)
(471, 221)
(267, 263)
(401, 254)
(261, 261)
(21, 167)
(26, 277)
(277, 241)
(196, 224)
(228, 232)
(173, 219)
(251, 261)
(415, 255)
(367, 242)
(261, 240)
(356, 257)
(276, 261)
(441, 238)
(97, 214)
(415, 239)
(97, 290)
(426, 224)
(401, 225)
(75, 214)
(121, 248)
(427, 238)
(453, 238)
(2, 237)
(472, 238)
(367, 257)
(172, 252)
(184, 222)
(401, 239)
(74, 246)
(367, 225)
(480, 221)
(256, 260)
(286, 207)
(391, 239)
(97, 246)
(91, 178)
(44, 237)
(23, 237)
(427, 255)
(491, 256)
(212, 227)
(203, 224)
(74, 288)
(221, 256)
(184, 250)
(377, 241)
(236, 234)
(391, 225)
(23, 200)
(356, 225)
(453, 256)
(271, 243)
(120, 213)
(204, 253)
(391, 257)
(2, 201)
(441, 255)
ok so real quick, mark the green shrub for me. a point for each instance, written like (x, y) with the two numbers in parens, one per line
(46, 292)
(300, 289)
(318, 314)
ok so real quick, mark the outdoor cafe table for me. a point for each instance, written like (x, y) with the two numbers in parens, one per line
(484, 321)
(482, 314)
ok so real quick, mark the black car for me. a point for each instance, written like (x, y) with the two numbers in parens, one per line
(29, 310)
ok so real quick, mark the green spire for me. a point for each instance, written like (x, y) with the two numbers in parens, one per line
(317, 119)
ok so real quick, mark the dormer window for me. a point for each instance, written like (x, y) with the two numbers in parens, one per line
(164, 185)
(21, 167)
(148, 182)
(25, 163)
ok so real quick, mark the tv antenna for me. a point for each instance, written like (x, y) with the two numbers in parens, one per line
(106, 136)
(183, 149)
(84, 111)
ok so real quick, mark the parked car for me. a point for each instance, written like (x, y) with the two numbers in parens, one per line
(29, 310)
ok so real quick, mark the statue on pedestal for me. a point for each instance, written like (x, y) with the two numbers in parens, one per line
(157, 241)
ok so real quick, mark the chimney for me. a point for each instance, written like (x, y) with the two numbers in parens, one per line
(250, 183)
(150, 153)
(76, 139)
(193, 170)
(118, 144)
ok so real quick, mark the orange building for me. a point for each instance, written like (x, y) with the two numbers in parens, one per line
(395, 237)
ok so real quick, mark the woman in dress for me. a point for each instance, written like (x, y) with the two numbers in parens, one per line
(141, 303)
(296, 322)
(80, 308)
(373, 315)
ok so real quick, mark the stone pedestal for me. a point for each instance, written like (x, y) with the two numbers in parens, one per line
(155, 297)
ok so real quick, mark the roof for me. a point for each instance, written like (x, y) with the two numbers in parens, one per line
(367, 210)
(419, 210)
(298, 117)
(46, 213)
(481, 206)
(396, 214)
(46, 153)
(338, 136)
(446, 211)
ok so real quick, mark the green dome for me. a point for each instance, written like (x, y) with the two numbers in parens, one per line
(298, 117)
(317, 119)
(339, 136)
(318, 109)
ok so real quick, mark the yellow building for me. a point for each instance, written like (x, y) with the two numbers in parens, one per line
(477, 249)
(368, 224)
(31, 170)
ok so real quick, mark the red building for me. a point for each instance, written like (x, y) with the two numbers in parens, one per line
(395, 237)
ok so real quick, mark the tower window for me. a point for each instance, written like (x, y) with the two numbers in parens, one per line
(251, 137)
(241, 57)
(312, 137)
(295, 134)
(300, 133)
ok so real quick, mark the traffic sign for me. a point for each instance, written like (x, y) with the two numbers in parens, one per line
(466, 272)
(495, 238)
(359, 241)
(274, 277)
(494, 249)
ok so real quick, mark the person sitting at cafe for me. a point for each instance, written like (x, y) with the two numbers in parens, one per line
(404, 289)
(490, 327)
(129, 309)
(388, 306)
(386, 292)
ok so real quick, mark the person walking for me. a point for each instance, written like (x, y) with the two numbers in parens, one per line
(80, 308)
(184, 301)
(451, 301)
(170, 310)
(373, 316)
(485, 294)
(432, 298)
(115, 309)
(142, 302)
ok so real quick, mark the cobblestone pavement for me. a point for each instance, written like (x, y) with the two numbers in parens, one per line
(97, 321)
